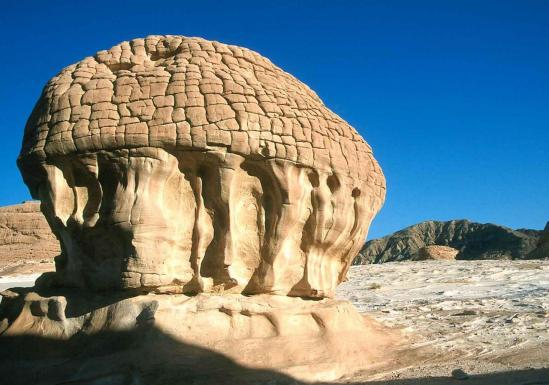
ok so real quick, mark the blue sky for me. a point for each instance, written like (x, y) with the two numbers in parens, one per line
(453, 96)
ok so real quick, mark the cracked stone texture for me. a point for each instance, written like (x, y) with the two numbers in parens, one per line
(176, 164)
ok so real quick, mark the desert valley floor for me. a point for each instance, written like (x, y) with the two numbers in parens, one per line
(480, 316)
(488, 318)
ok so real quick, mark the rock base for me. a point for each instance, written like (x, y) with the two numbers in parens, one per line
(79, 338)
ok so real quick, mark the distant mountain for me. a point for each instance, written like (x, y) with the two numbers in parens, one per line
(542, 249)
(471, 240)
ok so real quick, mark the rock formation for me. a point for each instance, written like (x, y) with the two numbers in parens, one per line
(181, 164)
(435, 252)
(25, 238)
(542, 248)
(472, 240)
(181, 167)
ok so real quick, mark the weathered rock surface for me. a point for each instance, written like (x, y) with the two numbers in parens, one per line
(489, 318)
(542, 248)
(310, 339)
(26, 241)
(435, 253)
(472, 240)
(178, 164)
(198, 191)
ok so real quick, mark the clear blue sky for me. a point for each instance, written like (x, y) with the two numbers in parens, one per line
(453, 96)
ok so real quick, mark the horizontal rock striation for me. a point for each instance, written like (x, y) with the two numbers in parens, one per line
(25, 237)
(434, 252)
(471, 240)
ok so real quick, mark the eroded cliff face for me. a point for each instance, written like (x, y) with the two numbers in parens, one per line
(471, 240)
(180, 165)
(26, 241)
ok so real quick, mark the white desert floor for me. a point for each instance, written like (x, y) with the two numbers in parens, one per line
(480, 316)
(20, 280)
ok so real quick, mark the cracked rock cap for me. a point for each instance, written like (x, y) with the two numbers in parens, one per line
(190, 93)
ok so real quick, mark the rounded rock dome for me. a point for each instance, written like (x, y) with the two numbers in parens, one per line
(183, 164)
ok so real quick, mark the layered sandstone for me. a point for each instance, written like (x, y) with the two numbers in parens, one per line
(25, 239)
(182, 165)
(177, 339)
(201, 191)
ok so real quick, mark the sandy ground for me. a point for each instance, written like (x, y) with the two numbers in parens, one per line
(25, 280)
(483, 317)
(488, 318)
(16, 267)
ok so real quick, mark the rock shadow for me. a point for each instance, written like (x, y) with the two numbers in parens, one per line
(513, 377)
(145, 356)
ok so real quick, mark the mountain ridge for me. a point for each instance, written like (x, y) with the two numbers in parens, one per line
(473, 240)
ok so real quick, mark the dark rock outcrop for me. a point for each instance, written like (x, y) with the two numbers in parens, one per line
(472, 240)
(542, 249)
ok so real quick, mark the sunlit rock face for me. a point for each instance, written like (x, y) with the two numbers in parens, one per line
(180, 165)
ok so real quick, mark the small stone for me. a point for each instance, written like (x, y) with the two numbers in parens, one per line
(459, 374)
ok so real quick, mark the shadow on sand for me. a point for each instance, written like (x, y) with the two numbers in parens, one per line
(150, 357)
(146, 355)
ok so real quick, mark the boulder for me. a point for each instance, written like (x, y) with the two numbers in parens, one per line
(201, 196)
(437, 253)
(181, 165)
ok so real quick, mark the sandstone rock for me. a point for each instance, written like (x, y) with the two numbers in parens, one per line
(434, 252)
(25, 239)
(312, 340)
(260, 196)
(472, 240)
(136, 205)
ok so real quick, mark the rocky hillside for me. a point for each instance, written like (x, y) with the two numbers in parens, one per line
(542, 249)
(471, 240)
(26, 241)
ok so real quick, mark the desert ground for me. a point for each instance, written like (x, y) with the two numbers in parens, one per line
(478, 316)
(488, 319)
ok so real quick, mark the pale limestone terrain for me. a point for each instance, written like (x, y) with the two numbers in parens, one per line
(489, 318)
(481, 316)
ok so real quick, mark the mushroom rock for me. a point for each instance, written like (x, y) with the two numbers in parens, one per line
(184, 168)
